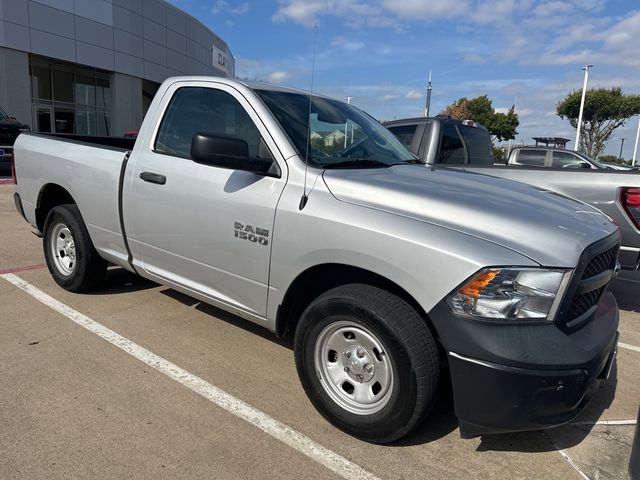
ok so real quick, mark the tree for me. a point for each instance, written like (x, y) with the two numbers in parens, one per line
(501, 126)
(458, 109)
(605, 109)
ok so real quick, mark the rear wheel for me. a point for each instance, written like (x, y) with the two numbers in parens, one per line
(70, 255)
(367, 361)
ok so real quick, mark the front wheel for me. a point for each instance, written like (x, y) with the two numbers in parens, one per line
(70, 255)
(367, 361)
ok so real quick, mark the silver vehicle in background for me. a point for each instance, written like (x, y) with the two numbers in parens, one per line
(550, 157)
(304, 215)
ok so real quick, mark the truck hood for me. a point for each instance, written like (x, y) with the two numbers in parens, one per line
(549, 228)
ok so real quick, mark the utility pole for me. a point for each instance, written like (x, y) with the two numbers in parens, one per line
(635, 149)
(584, 94)
(621, 146)
(427, 106)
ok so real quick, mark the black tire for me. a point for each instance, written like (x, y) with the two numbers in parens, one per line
(88, 269)
(407, 341)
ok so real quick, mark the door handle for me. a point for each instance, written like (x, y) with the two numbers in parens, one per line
(153, 178)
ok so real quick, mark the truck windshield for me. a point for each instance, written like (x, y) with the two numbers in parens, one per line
(338, 134)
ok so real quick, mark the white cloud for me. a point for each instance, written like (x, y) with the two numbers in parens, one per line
(413, 95)
(474, 58)
(433, 9)
(390, 96)
(223, 6)
(278, 76)
(347, 44)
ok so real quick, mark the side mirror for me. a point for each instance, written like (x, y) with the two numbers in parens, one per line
(227, 151)
(584, 165)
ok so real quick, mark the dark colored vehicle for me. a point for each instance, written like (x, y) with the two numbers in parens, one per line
(131, 134)
(10, 128)
(443, 141)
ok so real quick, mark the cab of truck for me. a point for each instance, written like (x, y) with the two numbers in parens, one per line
(445, 140)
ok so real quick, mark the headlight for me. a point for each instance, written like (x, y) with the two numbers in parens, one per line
(511, 294)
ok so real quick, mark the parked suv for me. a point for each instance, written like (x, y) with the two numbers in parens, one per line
(10, 128)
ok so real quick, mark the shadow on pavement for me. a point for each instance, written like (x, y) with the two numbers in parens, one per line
(440, 423)
(119, 280)
(226, 317)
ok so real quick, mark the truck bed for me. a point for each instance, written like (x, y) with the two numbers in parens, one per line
(89, 168)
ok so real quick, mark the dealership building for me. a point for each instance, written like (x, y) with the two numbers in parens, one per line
(93, 66)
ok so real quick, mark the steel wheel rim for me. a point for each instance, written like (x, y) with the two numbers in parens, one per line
(354, 367)
(63, 249)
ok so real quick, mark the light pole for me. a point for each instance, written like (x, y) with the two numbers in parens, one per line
(621, 146)
(427, 106)
(635, 149)
(348, 99)
(584, 93)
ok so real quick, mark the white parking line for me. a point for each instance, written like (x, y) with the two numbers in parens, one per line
(607, 422)
(568, 459)
(296, 440)
(629, 347)
(628, 280)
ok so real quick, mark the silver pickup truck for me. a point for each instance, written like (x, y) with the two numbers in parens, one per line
(443, 141)
(304, 215)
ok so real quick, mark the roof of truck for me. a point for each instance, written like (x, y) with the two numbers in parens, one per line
(439, 118)
(253, 85)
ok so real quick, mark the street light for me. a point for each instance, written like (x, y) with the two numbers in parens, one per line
(621, 146)
(635, 148)
(584, 93)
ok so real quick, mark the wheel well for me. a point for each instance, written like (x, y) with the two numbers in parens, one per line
(50, 197)
(316, 280)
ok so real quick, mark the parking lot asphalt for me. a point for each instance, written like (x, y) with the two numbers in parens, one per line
(73, 405)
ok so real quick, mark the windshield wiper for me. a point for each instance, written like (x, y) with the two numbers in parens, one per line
(358, 163)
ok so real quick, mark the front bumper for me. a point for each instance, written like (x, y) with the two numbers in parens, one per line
(491, 398)
(509, 378)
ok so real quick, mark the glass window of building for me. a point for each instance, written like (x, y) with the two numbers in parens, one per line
(68, 98)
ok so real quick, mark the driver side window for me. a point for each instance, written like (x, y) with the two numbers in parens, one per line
(565, 160)
(205, 110)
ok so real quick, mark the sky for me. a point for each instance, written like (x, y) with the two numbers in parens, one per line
(380, 52)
